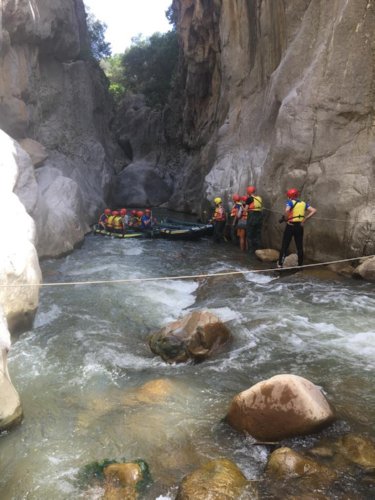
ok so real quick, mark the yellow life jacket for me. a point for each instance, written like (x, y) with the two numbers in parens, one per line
(297, 213)
(110, 221)
(256, 205)
(117, 222)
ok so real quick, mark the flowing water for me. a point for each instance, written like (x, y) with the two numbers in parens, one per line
(79, 371)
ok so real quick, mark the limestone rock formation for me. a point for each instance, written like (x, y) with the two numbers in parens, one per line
(280, 94)
(281, 407)
(196, 337)
(10, 404)
(19, 265)
(52, 94)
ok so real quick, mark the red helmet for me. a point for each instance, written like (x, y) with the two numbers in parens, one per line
(133, 212)
(147, 211)
(243, 198)
(292, 193)
(139, 213)
(115, 212)
(236, 197)
(107, 211)
(250, 189)
(123, 211)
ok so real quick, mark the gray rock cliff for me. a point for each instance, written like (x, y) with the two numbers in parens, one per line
(281, 94)
(53, 94)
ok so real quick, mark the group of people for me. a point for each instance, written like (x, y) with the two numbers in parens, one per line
(243, 224)
(118, 221)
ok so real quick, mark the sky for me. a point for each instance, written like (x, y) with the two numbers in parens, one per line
(128, 18)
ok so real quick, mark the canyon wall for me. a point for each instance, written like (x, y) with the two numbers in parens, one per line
(57, 155)
(280, 93)
(54, 102)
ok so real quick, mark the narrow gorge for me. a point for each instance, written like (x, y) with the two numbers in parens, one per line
(272, 93)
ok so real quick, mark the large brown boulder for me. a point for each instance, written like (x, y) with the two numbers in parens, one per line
(195, 337)
(217, 479)
(280, 407)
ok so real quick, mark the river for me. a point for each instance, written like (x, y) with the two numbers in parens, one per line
(77, 371)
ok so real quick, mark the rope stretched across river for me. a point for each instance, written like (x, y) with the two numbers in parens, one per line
(183, 277)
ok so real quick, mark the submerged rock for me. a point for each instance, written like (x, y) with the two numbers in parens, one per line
(280, 407)
(196, 336)
(357, 449)
(285, 463)
(217, 479)
(119, 479)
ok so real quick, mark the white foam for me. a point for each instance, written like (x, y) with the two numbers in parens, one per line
(43, 318)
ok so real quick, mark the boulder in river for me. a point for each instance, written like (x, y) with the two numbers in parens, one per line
(366, 270)
(194, 337)
(267, 254)
(281, 407)
(216, 479)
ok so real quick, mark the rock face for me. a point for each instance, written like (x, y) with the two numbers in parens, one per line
(54, 102)
(18, 264)
(196, 337)
(280, 94)
(278, 408)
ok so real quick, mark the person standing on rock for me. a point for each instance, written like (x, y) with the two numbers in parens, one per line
(219, 220)
(296, 214)
(254, 220)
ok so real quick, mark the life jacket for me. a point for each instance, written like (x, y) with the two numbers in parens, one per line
(110, 221)
(219, 214)
(235, 209)
(256, 205)
(117, 222)
(297, 213)
(146, 221)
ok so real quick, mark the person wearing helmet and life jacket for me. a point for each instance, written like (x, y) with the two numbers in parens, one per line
(297, 212)
(117, 222)
(110, 221)
(133, 219)
(219, 220)
(138, 219)
(254, 220)
(232, 219)
(102, 222)
(146, 219)
(241, 224)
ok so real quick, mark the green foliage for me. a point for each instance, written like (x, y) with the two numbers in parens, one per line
(149, 66)
(113, 69)
(99, 47)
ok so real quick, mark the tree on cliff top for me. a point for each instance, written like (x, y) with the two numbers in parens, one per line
(99, 47)
(149, 66)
